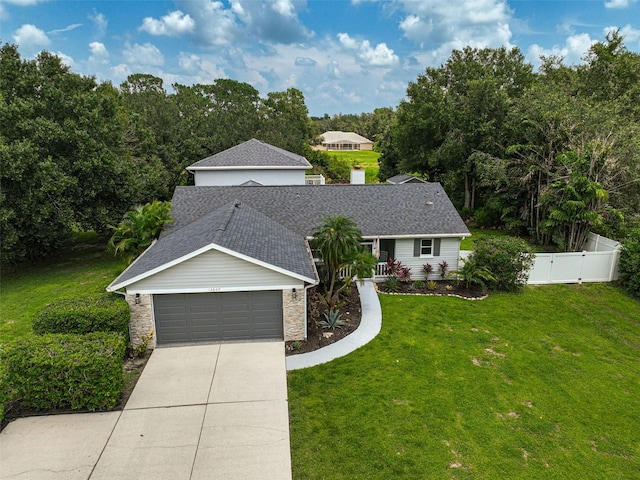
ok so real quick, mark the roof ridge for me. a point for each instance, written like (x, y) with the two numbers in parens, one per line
(222, 227)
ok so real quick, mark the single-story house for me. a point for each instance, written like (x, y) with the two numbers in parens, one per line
(235, 262)
(251, 161)
(404, 178)
(335, 140)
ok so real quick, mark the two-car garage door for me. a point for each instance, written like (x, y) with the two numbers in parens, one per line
(202, 317)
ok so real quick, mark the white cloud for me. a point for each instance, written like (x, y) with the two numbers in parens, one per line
(143, 55)
(378, 56)
(214, 25)
(573, 51)
(99, 53)
(65, 29)
(616, 3)
(174, 24)
(29, 37)
(100, 22)
(272, 21)
(454, 25)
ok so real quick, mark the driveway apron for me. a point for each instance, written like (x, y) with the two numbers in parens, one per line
(197, 412)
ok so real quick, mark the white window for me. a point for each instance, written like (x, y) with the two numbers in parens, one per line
(368, 246)
(426, 247)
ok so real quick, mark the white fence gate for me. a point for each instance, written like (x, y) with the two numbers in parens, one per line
(597, 263)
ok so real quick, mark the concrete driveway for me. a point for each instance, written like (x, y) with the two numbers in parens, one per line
(197, 412)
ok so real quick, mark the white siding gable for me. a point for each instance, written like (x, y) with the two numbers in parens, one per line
(283, 176)
(213, 271)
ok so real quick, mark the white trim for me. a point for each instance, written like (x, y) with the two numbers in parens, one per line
(195, 253)
(111, 287)
(162, 291)
(254, 167)
(413, 235)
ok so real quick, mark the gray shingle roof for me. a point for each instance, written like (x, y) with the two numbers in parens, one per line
(252, 153)
(404, 178)
(412, 209)
(234, 226)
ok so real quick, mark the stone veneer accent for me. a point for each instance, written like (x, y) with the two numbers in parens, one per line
(141, 322)
(293, 312)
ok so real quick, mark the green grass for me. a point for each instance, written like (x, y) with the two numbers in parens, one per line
(367, 159)
(84, 269)
(543, 384)
(476, 233)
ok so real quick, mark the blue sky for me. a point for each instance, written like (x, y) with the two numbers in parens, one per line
(345, 56)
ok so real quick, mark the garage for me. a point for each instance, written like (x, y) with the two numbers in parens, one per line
(215, 317)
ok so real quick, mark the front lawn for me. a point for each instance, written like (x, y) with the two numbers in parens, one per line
(83, 269)
(539, 385)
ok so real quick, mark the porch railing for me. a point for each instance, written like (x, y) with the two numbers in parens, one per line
(380, 271)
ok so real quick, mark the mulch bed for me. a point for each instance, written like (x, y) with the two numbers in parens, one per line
(317, 337)
(442, 288)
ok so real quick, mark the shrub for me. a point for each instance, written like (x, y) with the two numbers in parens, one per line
(95, 313)
(473, 274)
(418, 285)
(332, 320)
(444, 268)
(431, 285)
(398, 270)
(66, 371)
(629, 264)
(427, 268)
(508, 259)
(392, 285)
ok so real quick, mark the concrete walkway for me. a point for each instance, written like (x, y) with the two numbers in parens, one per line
(197, 412)
(370, 326)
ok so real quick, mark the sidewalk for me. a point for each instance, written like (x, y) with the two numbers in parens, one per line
(370, 326)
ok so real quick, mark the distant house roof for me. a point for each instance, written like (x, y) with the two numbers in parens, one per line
(343, 137)
(412, 209)
(404, 178)
(233, 227)
(252, 154)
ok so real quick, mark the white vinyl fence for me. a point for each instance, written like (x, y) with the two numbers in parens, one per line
(597, 263)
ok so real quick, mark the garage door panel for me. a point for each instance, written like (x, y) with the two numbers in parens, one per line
(198, 317)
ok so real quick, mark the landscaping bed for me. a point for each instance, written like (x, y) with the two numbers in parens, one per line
(439, 288)
(317, 337)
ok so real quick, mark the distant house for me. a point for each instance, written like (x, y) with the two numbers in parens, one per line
(235, 262)
(404, 178)
(344, 141)
(251, 162)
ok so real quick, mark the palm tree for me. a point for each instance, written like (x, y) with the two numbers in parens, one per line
(138, 229)
(473, 274)
(338, 242)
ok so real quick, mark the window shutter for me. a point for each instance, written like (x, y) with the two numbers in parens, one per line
(416, 247)
(436, 247)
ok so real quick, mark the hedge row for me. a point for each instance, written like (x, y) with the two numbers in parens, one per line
(66, 371)
(94, 313)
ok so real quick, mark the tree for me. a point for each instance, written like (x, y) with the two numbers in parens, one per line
(338, 242)
(629, 264)
(456, 111)
(138, 229)
(508, 259)
(286, 122)
(62, 155)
